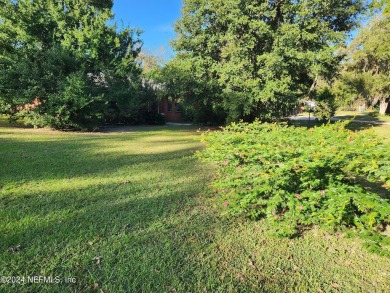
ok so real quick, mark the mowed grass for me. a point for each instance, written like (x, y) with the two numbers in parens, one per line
(356, 115)
(381, 130)
(132, 212)
(363, 116)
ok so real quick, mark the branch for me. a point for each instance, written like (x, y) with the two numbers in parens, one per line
(313, 85)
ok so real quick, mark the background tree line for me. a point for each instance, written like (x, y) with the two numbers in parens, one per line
(63, 64)
(247, 59)
(365, 74)
(66, 65)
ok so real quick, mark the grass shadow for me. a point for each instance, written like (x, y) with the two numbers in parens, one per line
(62, 224)
(351, 125)
(132, 212)
(372, 116)
(375, 187)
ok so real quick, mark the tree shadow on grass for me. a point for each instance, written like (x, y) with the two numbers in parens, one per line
(153, 233)
(151, 230)
(155, 244)
(48, 160)
(146, 128)
(125, 176)
(362, 116)
(374, 187)
(53, 225)
(351, 125)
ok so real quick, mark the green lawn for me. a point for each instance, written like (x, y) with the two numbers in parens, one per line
(355, 115)
(365, 116)
(132, 212)
(382, 130)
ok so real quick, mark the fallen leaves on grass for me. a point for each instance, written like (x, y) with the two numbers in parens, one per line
(124, 182)
(252, 264)
(98, 259)
(15, 249)
(335, 286)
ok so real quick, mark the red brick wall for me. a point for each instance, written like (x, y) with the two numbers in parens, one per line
(173, 115)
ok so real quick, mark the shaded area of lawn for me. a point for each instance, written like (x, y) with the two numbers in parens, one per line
(141, 202)
(382, 130)
(366, 116)
(362, 116)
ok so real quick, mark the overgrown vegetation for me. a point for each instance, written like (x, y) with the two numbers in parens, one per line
(245, 60)
(131, 210)
(325, 105)
(365, 74)
(298, 177)
(63, 65)
(67, 65)
(260, 58)
(179, 78)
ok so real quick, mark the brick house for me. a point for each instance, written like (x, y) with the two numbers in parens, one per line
(171, 109)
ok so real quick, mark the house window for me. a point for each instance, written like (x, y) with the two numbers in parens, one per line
(178, 107)
(169, 105)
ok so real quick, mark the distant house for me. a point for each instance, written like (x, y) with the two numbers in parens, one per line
(304, 105)
(31, 106)
(310, 104)
(172, 110)
(168, 106)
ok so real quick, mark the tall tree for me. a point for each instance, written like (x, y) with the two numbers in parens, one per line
(65, 54)
(181, 79)
(369, 60)
(264, 55)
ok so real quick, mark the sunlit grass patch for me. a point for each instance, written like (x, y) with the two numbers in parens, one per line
(132, 210)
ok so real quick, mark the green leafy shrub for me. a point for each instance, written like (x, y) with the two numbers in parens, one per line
(325, 105)
(73, 107)
(79, 74)
(154, 118)
(298, 177)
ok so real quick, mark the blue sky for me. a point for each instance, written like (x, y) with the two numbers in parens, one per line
(154, 17)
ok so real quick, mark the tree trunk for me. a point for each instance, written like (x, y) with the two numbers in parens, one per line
(384, 103)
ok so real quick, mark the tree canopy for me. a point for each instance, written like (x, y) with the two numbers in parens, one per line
(264, 55)
(65, 64)
(367, 67)
(68, 56)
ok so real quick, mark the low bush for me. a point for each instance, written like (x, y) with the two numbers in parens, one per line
(153, 118)
(325, 105)
(298, 177)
